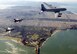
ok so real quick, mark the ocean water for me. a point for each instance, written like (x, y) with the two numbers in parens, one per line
(63, 42)
(10, 47)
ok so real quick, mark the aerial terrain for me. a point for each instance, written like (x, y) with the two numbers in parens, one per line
(54, 35)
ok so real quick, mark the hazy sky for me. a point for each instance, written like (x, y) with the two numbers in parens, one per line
(56, 0)
(3, 1)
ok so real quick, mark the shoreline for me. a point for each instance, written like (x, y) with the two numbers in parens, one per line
(56, 31)
(18, 40)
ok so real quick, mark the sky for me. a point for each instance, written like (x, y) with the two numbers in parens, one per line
(5, 3)
(56, 0)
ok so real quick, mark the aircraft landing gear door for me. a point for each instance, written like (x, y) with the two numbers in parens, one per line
(59, 14)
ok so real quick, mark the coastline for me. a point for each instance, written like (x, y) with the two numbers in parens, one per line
(56, 31)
